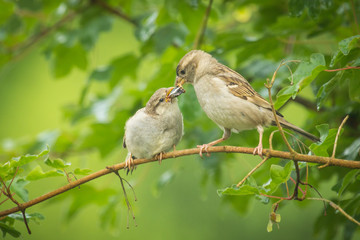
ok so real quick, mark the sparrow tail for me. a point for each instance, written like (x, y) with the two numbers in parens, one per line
(294, 128)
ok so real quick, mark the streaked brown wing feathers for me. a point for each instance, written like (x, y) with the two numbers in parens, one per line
(241, 88)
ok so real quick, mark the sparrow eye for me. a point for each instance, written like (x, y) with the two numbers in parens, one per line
(161, 100)
(182, 72)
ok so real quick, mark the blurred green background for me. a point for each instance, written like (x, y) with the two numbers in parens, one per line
(73, 113)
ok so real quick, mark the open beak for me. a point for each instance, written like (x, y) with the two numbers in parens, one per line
(173, 93)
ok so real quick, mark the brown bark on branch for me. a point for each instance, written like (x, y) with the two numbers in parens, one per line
(185, 152)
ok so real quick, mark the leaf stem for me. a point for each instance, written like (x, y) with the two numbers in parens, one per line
(337, 207)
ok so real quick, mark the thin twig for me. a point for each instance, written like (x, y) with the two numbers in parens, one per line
(336, 140)
(276, 197)
(291, 74)
(278, 123)
(25, 221)
(296, 189)
(115, 11)
(17, 168)
(185, 152)
(131, 187)
(337, 207)
(130, 210)
(252, 171)
(287, 189)
(338, 134)
(341, 69)
(298, 141)
(6, 199)
(201, 32)
(269, 85)
(291, 179)
(7, 193)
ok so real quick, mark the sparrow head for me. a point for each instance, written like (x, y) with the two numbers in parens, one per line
(192, 66)
(162, 100)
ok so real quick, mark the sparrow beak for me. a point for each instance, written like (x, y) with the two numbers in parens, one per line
(179, 82)
(173, 93)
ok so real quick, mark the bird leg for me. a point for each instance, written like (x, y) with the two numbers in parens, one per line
(129, 163)
(258, 150)
(226, 135)
(159, 157)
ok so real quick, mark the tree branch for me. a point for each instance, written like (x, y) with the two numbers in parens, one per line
(200, 33)
(115, 11)
(21, 48)
(305, 103)
(179, 153)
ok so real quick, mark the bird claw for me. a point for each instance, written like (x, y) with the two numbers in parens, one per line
(204, 147)
(129, 164)
(159, 157)
(258, 150)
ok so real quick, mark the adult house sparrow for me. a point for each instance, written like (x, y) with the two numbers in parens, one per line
(227, 98)
(155, 128)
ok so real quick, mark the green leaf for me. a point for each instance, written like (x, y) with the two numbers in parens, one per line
(31, 5)
(242, 190)
(18, 187)
(327, 138)
(123, 66)
(12, 25)
(6, 229)
(296, 8)
(37, 173)
(102, 73)
(92, 24)
(80, 199)
(269, 227)
(169, 34)
(327, 88)
(345, 48)
(280, 174)
(302, 77)
(57, 163)
(354, 85)
(146, 27)
(36, 217)
(25, 159)
(84, 171)
(352, 151)
(346, 45)
(323, 130)
(113, 132)
(66, 58)
(348, 179)
(7, 9)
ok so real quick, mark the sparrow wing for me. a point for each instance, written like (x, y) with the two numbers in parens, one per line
(240, 87)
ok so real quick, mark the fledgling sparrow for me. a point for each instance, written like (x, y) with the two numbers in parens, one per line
(154, 129)
(227, 98)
